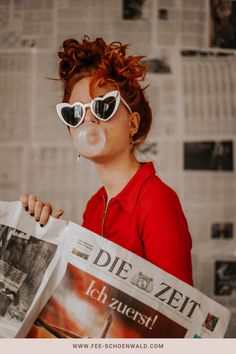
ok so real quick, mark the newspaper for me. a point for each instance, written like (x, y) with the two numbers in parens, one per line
(97, 288)
(31, 266)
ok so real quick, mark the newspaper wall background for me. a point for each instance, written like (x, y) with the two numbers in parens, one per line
(191, 61)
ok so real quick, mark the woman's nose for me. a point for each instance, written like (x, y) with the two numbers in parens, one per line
(89, 117)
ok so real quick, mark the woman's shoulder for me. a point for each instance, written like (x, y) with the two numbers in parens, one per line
(155, 190)
(157, 198)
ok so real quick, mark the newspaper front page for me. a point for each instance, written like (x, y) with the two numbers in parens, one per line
(110, 292)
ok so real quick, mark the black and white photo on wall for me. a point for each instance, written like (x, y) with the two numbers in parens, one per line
(209, 155)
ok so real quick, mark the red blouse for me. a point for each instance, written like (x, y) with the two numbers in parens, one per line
(147, 219)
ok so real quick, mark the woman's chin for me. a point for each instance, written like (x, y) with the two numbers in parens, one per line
(94, 157)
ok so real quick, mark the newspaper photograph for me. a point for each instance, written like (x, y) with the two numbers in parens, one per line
(225, 278)
(222, 230)
(110, 292)
(219, 269)
(23, 262)
(222, 26)
(136, 10)
(159, 64)
(104, 311)
(208, 155)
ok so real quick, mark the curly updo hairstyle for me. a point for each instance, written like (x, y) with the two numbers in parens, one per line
(106, 62)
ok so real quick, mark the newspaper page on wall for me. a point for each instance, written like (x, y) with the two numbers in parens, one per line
(31, 266)
(110, 292)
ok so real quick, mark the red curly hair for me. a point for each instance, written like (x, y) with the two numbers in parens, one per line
(106, 62)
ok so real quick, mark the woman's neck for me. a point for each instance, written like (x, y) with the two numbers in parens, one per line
(115, 174)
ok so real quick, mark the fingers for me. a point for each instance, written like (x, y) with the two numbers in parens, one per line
(40, 210)
(46, 211)
(56, 214)
(31, 204)
(24, 200)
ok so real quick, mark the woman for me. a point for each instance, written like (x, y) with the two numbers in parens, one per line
(134, 208)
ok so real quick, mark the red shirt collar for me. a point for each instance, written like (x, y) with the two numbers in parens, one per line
(128, 196)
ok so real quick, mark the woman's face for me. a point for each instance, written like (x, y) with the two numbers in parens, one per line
(117, 130)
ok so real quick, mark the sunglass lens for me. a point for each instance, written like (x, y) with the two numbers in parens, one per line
(72, 115)
(104, 108)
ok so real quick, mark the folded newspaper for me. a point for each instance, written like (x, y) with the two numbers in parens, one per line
(63, 281)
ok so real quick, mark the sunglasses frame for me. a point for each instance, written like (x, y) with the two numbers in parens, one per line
(84, 106)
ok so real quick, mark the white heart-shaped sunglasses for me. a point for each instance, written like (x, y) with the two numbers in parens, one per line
(102, 108)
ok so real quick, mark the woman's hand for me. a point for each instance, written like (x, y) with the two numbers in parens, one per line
(38, 209)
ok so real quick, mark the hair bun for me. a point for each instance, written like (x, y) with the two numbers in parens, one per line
(108, 59)
(80, 56)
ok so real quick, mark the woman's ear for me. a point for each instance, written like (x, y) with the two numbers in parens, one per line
(134, 121)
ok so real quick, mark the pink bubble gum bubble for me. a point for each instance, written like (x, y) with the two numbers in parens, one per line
(89, 139)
